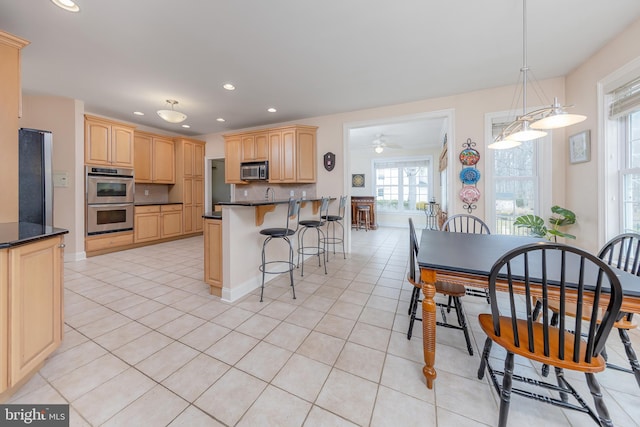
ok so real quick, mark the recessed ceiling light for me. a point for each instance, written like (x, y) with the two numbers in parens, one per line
(220, 119)
(229, 86)
(66, 5)
(186, 126)
(138, 113)
(271, 110)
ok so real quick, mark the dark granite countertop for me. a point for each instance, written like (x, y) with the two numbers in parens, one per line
(264, 202)
(156, 203)
(19, 233)
(212, 215)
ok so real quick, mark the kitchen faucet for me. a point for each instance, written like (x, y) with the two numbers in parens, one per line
(273, 194)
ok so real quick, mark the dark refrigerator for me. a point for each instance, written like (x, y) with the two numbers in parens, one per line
(35, 177)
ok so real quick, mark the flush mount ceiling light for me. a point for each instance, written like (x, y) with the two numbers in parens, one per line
(186, 126)
(172, 116)
(67, 5)
(271, 110)
(138, 113)
(379, 149)
(220, 119)
(529, 126)
(229, 86)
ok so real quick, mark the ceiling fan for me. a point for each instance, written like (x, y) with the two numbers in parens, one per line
(380, 143)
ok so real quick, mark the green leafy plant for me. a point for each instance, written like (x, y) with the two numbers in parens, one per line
(536, 225)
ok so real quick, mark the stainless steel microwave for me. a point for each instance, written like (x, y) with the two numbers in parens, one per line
(254, 171)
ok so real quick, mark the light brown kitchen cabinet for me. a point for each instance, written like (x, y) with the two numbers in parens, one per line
(255, 147)
(170, 220)
(232, 160)
(154, 159)
(31, 315)
(156, 222)
(94, 245)
(291, 152)
(11, 110)
(107, 142)
(213, 255)
(189, 186)
(146, 223)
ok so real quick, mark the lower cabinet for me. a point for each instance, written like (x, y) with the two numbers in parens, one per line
(157, 222)
(109, 241)
(213, 255)
(31, 314)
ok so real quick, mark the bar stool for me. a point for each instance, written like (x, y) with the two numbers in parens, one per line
(316, 224)
(332, 220)
(280, 233)
(363, 217)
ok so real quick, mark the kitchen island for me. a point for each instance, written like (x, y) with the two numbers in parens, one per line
(31, 300)
(233, 243)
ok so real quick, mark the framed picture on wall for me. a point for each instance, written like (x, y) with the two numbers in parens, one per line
(357, 180)
(580, 147)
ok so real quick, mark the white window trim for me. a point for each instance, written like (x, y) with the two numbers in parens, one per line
(545, 169)
(428, 158)
(609, 214)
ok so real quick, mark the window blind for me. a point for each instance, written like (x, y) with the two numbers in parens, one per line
(625, 99)
(401, 164)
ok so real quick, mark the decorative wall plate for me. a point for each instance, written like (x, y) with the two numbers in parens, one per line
(469, 176)
(357, 180)
(469, 194)
(469, 156)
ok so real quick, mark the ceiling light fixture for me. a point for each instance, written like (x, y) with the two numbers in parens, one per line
(172, 116)
(67, 5)
(271, 110)
(220, 119)
(530, 125)
(138, 113)
(379, 149)
(186, 126)
(229, 86)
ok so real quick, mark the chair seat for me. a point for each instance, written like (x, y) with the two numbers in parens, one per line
(570, 310)
(445, 288)
(506, 338)
(332, 217)
(278, 232)
(311, 223)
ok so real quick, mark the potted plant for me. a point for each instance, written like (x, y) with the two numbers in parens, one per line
(559, 217)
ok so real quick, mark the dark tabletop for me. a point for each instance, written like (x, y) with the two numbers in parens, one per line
(476, 253)
(19, 233)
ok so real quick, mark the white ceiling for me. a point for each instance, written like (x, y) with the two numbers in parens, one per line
(305, 58)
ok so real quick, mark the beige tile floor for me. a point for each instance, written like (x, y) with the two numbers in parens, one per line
(146, 345)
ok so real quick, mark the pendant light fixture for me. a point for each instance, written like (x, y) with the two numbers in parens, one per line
(172, 116)
(531, 125)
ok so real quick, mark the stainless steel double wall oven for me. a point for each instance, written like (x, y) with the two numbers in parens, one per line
(109, 193)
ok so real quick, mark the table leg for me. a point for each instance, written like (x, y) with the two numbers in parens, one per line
(428, 278)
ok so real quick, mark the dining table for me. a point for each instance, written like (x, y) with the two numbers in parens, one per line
(467, 259)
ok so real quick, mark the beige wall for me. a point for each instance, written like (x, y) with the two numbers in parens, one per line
(63, 117)
(581, 88)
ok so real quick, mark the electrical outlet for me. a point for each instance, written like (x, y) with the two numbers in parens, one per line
(291, 193)
(246, 193)
(146, 192)
(304, 194)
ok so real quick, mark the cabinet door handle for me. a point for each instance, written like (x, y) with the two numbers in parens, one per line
(62, 246)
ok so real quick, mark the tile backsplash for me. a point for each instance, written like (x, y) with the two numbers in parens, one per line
(257, 191)
(151, 193)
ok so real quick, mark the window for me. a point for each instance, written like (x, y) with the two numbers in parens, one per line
(516, 183)
(625, 109)
(402, 185)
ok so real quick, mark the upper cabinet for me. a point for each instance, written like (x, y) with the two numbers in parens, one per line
(255, 147)
(232, 159)
(154, 159)
(10, 108)
(290, 150)
(107, 143)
